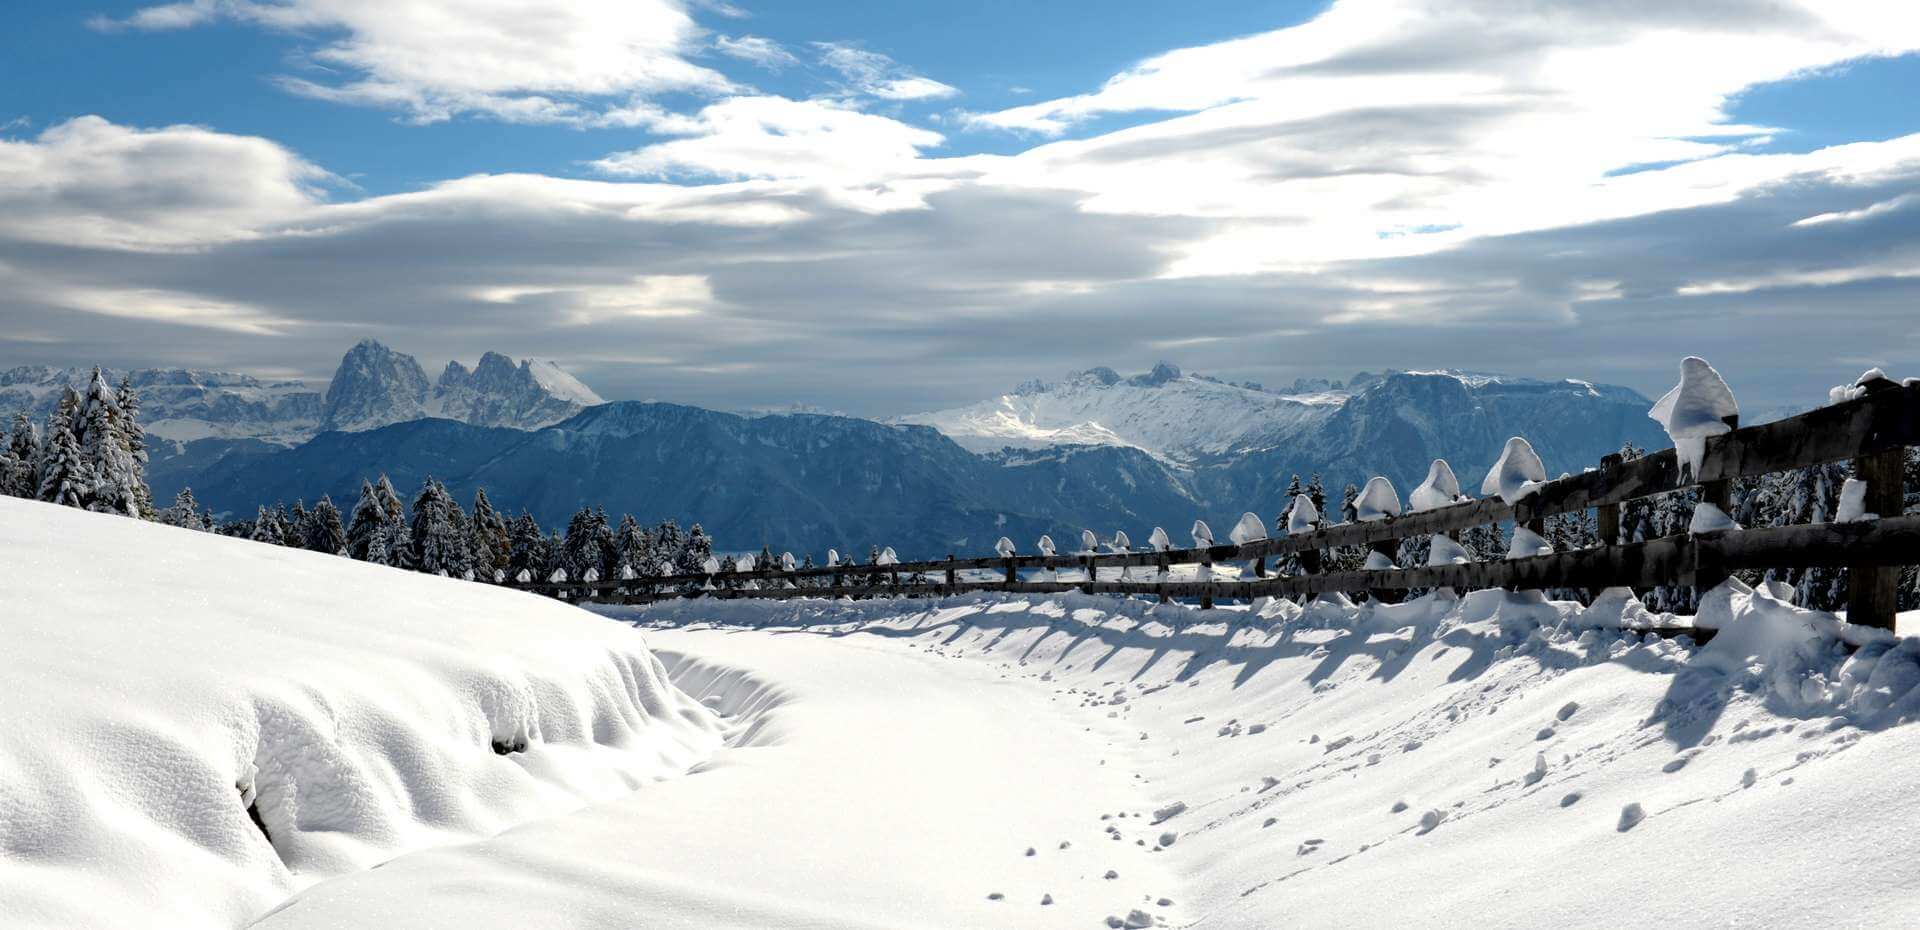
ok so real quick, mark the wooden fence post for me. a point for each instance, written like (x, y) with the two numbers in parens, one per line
(1707, 573)
(1011, 578)
(1161, 568)
(953, 578)
(1206, 593)
(1873, 591)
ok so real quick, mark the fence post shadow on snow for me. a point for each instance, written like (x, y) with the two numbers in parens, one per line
(1871, 431)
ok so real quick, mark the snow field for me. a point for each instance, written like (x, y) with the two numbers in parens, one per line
(197, 727)
(1494, 760)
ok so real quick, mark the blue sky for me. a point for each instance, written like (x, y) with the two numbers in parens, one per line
(739, 204)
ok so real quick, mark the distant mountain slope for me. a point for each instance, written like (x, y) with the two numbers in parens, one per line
(180, 404)
(803, 482)
(1398, 424)
(1182, 418)
(1241, 444)
(373, 386)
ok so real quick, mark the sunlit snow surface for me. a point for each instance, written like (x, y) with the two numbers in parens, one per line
(990, 761)
(155, 681)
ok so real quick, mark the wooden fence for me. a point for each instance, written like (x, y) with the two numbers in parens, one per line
(1871, 432)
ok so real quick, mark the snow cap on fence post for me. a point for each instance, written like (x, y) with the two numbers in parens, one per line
(1120, 541)
(1709, 518)
(833, 558)
(1249, 529)
(1377, 501)
(1004, 547)
(1378, 561)
(525, 577)
(1853, 503)
(559, 576)
(887, 557)
(712, 565)
(1527, 544)
(1696, 408)
(786, 561)
(1159, 542)
(1045, 545)
(1440, 489)
(1445, 550)
(626, 572)
(1302, 515)
(1517, 474)
(499, 576)
(592, 575)
(1089, 542)
(1202, 535)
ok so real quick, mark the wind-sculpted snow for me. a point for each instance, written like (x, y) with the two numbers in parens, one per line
(195, 727)
(1489, 760)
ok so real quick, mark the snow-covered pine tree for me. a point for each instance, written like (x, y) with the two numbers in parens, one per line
(268, 529)
(728, 566)
(136, 440)
(1317, 493)
(185, 512)
(118, 473)
(696, 551)
(490, 544)
(20, 459)
(438, 541)
(632, 548)
(368, 516)
(526, 547)
(390, 502)
(324, 533)
(63, 475)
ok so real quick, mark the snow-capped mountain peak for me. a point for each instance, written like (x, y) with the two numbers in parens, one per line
(1165, 412)
(376, 386)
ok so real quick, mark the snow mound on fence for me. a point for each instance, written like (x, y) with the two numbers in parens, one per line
(195, 727)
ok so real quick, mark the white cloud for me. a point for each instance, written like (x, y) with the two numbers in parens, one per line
(435, 59)
(876, 75)
(774, 137)
(759, 50)
(88, 182)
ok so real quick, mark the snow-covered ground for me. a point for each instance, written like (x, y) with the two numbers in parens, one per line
(990, 761)
(156, 682)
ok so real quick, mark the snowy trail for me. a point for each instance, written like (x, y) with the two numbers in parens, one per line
(873, 785)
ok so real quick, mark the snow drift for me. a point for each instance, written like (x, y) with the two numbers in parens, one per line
(196, 726)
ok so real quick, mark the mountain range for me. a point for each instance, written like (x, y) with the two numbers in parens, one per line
(1093, 450)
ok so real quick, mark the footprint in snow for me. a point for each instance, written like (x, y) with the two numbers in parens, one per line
(1572, 798)
(1430, 820)
(1678, 763)
(1631, 815)
(1566, 713)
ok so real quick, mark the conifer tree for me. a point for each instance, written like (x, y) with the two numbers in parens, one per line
(136, 442)
(185, 512)
(20, 459)
(438, 539)
(267, 528)
(118, 473)
(323, 530)
(367, 519)
(695, 551)
(490, 545)
(63, 476)
(526, 547)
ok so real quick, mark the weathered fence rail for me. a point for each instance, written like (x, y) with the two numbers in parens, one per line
(1871, 432)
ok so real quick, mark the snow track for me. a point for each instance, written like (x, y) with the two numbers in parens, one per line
(874, 786)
